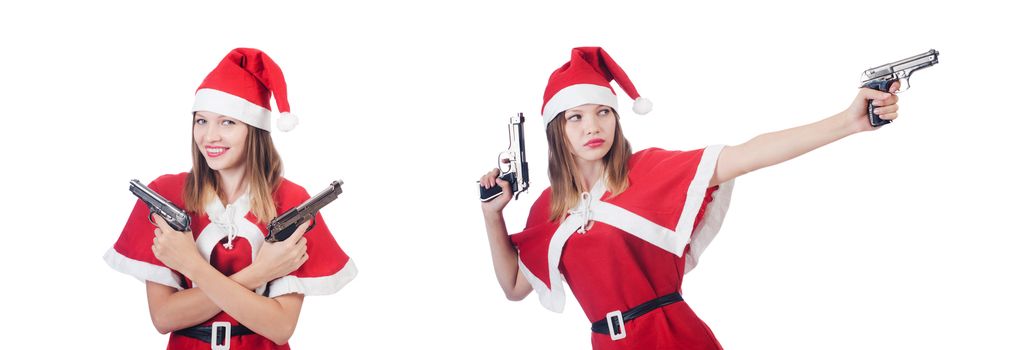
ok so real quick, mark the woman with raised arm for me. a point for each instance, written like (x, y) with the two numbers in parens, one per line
(622, 228)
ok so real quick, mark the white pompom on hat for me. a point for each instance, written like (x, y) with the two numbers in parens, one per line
(585, 79)
(241, 87)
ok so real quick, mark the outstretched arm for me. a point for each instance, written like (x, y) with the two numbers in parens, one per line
(776, 147)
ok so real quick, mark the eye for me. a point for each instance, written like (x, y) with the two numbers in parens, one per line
(574, 117)
(200, 121)
(227, 122)
(604, 112)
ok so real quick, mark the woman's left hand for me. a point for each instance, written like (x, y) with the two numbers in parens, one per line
(884, 102)
(177, 250)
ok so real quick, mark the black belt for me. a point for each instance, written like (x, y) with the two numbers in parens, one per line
(618, 319)
(203, 333)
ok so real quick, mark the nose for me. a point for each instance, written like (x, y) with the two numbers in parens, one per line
(590, 124)
(212, 133)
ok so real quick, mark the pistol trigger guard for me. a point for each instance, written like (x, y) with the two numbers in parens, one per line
(904, 84)
(499, 162)
(314, 222)
(150, 218)
(904, 79)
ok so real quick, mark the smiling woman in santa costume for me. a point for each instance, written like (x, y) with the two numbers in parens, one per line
(221, 277)
(622, 229)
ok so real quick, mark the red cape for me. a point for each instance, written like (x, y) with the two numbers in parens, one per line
(327, 270)
(667, 205)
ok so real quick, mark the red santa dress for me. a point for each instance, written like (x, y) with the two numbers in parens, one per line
(641, 244)
(228, 236)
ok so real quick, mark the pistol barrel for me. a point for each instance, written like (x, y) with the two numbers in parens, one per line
(522, 163)
(907, 65)
(177, 218)
(282, 226)
(322, 199)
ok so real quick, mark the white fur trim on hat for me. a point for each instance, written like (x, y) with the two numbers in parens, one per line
(577, 95)
(287, 121)
(232, 106)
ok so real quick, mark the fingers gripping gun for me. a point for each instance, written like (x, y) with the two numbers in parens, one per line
(879, 78)
(176, 218)
(283, 226)
(512, 164)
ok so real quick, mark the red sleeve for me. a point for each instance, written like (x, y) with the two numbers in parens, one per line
(328, 268)
(534, 241)
(132, 253)
(660, 183)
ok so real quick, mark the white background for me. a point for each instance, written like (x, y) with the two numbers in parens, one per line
(912, 236)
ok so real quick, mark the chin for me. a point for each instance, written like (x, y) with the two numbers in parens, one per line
(599, 154)
(593, 156)
(214, 166)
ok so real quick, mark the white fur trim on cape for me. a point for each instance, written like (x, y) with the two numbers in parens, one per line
(714, 215)
(142, 271)
(313, 285)
(673, 241)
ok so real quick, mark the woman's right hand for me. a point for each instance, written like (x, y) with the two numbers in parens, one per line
(496, 205)
(278, 259)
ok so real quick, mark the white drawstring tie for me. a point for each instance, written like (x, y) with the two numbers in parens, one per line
(227, 221)
(583, 213)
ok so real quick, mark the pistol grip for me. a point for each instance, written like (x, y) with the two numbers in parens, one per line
(880, 85)
(487, 194)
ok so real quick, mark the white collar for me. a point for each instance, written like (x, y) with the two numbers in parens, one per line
(227, 216)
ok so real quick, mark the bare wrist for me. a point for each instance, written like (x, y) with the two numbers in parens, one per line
(248, 277)
(844, 125)
(193, 271)
(490, 214)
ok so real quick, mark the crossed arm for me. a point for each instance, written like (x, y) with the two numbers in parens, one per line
(273, 318)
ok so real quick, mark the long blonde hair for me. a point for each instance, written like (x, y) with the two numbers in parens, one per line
(263, 175)
(565, 180)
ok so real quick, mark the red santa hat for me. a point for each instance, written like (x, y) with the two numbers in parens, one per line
(241, 87)
(585, 79)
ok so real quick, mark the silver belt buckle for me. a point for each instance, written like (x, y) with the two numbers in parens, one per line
(616, 325)
(224, 329)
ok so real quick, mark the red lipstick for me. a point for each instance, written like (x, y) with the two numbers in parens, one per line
(597, 142)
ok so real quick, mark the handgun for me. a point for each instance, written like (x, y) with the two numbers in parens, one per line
(879, 78)
(512, 164)
(283, 226)
(177, 218)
